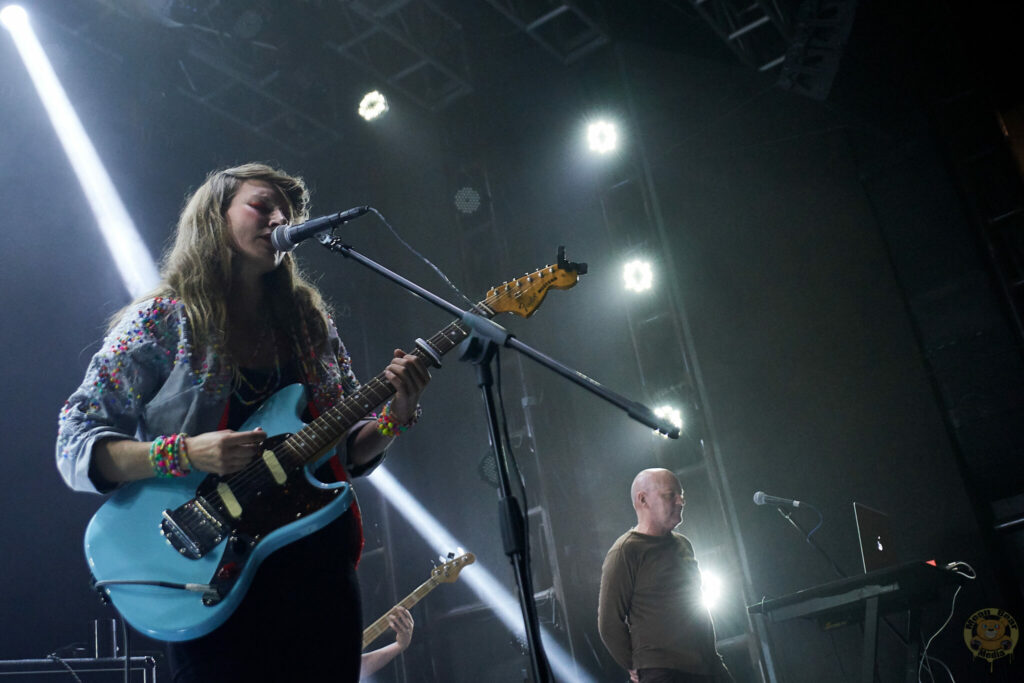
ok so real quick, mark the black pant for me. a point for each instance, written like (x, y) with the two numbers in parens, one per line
(301, 620)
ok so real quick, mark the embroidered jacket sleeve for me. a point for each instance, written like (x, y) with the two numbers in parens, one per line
(336, 380)
(123, 376)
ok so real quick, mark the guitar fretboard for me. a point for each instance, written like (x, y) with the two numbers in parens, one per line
(326, 431)
(374, 630)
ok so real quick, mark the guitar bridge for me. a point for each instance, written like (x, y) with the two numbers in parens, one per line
(192, 529)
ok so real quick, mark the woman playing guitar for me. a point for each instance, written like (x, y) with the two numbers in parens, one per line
(183, 368)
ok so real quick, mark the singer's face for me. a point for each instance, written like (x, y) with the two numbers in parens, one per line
(256, 209)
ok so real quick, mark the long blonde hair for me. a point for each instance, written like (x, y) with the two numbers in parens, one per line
(197, 267)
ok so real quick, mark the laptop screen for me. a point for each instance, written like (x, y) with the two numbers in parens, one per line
(874, 534)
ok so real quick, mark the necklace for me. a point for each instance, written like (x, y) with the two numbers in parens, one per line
(257, 394)
(273, 378)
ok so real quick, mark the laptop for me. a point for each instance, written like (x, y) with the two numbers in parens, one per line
(874, 534)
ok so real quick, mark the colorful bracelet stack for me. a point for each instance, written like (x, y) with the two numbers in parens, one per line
(169, 456)
(386, 424)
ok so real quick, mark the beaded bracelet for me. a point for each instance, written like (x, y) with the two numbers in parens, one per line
(386, 424)
(169, 456)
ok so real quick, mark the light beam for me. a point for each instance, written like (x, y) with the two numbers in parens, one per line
(477, 577)
(133, 260)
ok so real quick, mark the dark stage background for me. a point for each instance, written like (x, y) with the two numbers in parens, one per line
(839, 279)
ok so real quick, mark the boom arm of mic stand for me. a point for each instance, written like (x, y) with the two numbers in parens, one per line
(490, 330)
(637, 411)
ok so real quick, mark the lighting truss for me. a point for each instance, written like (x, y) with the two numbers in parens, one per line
(411, 45)
(235, 64)
(569, 30)
(802, 38)
(758, 31)
(821, 31)
(225, 59)
(257, 102)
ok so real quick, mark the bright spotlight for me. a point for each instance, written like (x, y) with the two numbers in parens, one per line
(602, 137)
(133, 260)
(13, 16)
(711, 588)
(638, 275)
(672, 415)
(373, 105)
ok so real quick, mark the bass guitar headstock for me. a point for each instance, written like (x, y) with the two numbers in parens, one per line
(449, 571)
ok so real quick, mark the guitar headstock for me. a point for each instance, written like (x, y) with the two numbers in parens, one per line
(449, 571)
(523, 295)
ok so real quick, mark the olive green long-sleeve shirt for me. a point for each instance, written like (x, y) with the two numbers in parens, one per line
(650, 613)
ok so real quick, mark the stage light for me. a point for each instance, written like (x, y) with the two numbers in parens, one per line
(13, 17)
(467, 200)
(638, 275)
(133, 261)
(711, 588)
(373, 106)
(477, 577)
(672, 415)
(602, 137)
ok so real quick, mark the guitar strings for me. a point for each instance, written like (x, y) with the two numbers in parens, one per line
(255, 475)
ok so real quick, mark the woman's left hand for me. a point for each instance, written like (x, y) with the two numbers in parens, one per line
(409, 376)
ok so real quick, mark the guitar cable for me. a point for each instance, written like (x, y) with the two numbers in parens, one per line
(204, 588)
(423, 258)
(53, 656)
(924, 663)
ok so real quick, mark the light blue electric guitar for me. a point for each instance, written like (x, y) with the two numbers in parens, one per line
(176, 556)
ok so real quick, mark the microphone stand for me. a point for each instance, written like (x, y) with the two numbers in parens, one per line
(841, 574)
(480, 348)
(789, 518)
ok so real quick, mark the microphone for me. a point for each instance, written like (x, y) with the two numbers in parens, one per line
(285, 237)
(762, 498)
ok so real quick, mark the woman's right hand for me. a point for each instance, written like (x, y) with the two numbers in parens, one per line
(224, 451)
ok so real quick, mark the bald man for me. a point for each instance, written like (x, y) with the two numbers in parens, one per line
(650, 612)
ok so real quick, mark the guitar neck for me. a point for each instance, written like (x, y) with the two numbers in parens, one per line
(374, 630)
(326, 431)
